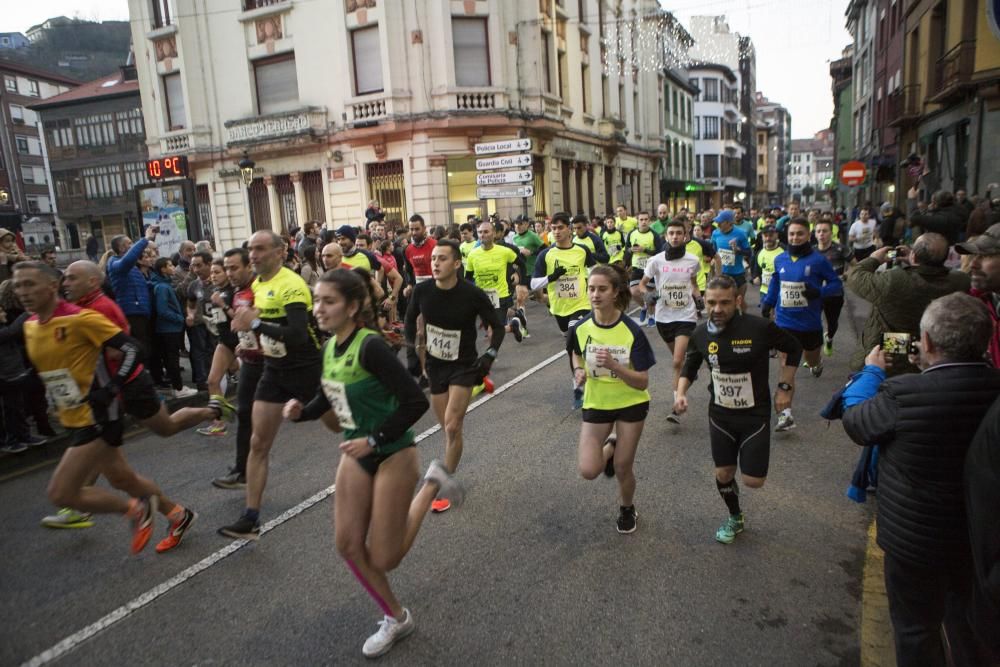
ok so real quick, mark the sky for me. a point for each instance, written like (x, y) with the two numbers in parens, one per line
(795, 42)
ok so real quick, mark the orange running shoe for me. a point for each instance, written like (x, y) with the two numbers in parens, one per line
(177, 531)
(142, 512)
(440, 505)
(488, 385)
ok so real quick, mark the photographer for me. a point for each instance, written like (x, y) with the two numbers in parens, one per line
(923, 424)
(943, 217)
(899, 295)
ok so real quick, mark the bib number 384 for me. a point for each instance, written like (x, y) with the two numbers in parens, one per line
(732, 390)
(336, 395)
(568, 287)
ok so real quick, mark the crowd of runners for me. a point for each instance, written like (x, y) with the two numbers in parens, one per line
(366, 327)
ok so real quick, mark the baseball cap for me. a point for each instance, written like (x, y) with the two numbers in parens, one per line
(521, 218)
(987, 244)
(349, 231)
(725, 216)
(769, 229)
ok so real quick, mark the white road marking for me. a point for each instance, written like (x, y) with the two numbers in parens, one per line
(121, 613)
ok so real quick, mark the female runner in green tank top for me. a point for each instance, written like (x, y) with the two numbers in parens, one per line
(368, 394)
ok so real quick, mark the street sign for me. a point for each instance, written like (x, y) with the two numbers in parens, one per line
(853, 173)
(505, 146)
(500, 177)
(504, 191)
(503, 162)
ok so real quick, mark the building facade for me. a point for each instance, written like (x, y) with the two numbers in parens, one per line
(718, 151)
(842, 124)
(677, 180)
(25, 191)
(861, 23)
(343, 102)
(948, 108)
(888, 81)
(13, 40)
(96, 145)
(811, 173)
(774, 141)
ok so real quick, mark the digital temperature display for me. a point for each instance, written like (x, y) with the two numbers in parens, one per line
(167, 167)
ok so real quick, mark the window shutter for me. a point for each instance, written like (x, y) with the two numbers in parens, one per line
(277, 86)
(471, 49)
(367, 60)
(176, 116)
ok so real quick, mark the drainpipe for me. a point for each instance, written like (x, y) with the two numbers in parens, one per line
(979, 145)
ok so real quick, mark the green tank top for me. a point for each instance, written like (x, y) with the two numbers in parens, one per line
(359, 400)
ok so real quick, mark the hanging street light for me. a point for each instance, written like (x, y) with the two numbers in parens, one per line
(246, 169)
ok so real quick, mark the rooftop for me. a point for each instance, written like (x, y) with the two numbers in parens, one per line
(8, 65)
(112, 85)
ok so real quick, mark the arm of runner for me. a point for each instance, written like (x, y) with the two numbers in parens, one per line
(538, 278)
(641, 359)
(296, 332)
(773, 291)
(491, 318)
(658, 243)
(600, 250)
(315, 409)
(396, 280)
(129, 356)
(378, 359)
(781, 340)
(832, 285)
(410, 320)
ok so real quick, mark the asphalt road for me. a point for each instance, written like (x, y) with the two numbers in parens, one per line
(529, 571)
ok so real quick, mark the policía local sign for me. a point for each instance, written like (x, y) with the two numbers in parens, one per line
(503, 162)
(505, 146)
(501, 177)
(504, 191)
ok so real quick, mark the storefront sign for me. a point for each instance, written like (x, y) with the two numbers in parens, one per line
(506, 146)
(503, 162)
(500, 177)
(504, 191)
(274, 127)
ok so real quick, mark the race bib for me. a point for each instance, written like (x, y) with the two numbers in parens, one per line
(619, 352)
(494, 297)
(62, 388)
(247, 340)
(732, 390)
(640, 261)
(443, 343)
(793, 295)
(613, 249)
(765, 278)
(217, 315)
(272, 348)
(675, 295)
(568, 287)
(336, 396)
(727, 257)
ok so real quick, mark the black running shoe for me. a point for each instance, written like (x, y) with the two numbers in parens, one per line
(626, 519)
(231, 480)
(609, 467)
(520, 315)
(245, 528)
(515, 329)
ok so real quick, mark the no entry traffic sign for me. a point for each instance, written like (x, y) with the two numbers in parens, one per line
(853, 173)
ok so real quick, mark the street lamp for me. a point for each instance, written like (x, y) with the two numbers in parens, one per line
(246, 169)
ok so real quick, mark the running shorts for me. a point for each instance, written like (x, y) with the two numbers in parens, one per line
(140, 398)
(635, 277)
(810, 340)
(744, 438)
(282, 385)
(564, 321)
(633, 413)
(669, 331)
(371, 463)
(443, 375)
(111, 432)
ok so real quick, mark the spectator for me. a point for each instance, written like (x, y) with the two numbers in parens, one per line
(962, 201)
(92, 248)
(199, 293)
(310, 237)
(168, 328)
(943, 216)
(984, 272)
(182, 261)
(20, 388)
(373, 212)
(10, 254)
(899, 295)
(310, 270)
(982, 497)
(205, 246)
(130, 287)
(924, 424)
(891, 227)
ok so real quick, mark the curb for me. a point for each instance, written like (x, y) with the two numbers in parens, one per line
(877, 645)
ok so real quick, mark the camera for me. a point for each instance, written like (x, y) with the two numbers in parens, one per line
(899, 344)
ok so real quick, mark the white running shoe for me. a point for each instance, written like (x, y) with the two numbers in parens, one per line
(448, 487)
(389, 632)
(185, 392)
(785, 423)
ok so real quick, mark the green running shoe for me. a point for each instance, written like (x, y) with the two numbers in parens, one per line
(828, 346)
(68, 518)
(728, 531)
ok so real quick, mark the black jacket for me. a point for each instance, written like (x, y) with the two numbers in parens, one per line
(949, 221)
(982, 498)
(924, 423)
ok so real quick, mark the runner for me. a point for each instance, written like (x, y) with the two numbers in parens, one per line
(840, 257)
(562, 269)
(625, 223)
(467, 233)
(588, 239)
(245, 346)
(674, 275)
(216, 320)
(65, 344)
(732, 247)
(704, 250)
(802, 280)
(353, 256)
(280, 316)
(640, 245)
(375, 402)
(489, 266)
(611, 358)
(448, 308)
(737, 348)
(762, 266)
(862, 234)
(529, 244)
(614, 241)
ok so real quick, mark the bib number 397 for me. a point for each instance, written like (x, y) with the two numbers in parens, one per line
(733, 390)
(336, 395)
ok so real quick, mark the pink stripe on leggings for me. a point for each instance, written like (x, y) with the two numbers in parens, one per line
(368, 587)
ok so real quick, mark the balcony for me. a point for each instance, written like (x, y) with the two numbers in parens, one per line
(307, 122)
(257, 4)
(905, 106)
(184, 141)
(482, 99)
(953, 71)
(367, 109)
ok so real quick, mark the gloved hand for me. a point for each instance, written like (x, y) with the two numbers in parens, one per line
(485, 362)
(102, 397)
(811, 293)
(699, 303)
(559, 272)
(765, 311)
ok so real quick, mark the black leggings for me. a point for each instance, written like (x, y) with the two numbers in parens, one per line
(832, 305)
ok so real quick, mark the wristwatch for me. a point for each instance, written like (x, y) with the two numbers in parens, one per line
(373, 443)
(255, 324)
(784, 386)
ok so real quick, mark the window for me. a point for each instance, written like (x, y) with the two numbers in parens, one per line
(10, 83)
(28, 174)
(546, 64)
(471, 47)
(60, 133)
(22, 145)
(694, 84)
(711, 127)
(585, 87)
(34, 205)
(130, 123)
(561, 60)
(367, 61)
(95, 130)
(162, 14)
(173, 93)
(277, 84)
(697, 127)
(711, 90)
(33, 88)
(711, 166)
(17, 113)
(605, 95)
